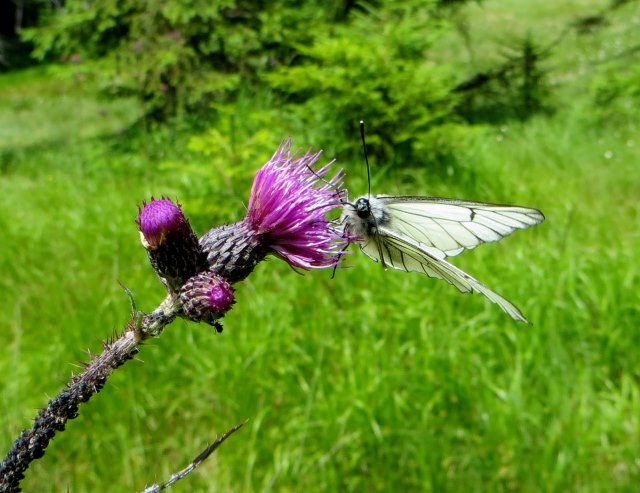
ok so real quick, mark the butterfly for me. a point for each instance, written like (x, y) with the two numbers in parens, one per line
(417, 234)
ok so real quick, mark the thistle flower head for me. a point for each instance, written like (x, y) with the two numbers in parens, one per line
(170, 242)
(158, 218)
(206, 297)
(288, 206)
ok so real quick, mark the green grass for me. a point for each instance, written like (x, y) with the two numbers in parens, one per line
(372, 381)
(47, 104)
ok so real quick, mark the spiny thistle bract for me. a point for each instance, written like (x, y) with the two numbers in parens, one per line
(206, 297)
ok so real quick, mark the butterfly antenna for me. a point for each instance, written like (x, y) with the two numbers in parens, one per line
(327, 182)
(366, 158)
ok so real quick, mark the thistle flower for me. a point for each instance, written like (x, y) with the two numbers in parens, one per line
(170, 242)
(286, 217)
(206, 297)
(288, 208)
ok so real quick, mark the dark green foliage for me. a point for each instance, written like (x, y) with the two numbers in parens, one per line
(377, 68)
(616, 93)
(166, 54)
(327, 66)
(613, 79)
(15, 16)
(175, 56)
(287, 64)
(518, 88)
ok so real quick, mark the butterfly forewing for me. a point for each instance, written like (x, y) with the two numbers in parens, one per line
(452, 226)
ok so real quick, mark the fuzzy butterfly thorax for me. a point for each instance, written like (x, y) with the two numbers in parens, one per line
(364, 216)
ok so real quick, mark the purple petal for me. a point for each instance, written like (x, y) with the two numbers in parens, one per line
(157, 218)
(288, 206)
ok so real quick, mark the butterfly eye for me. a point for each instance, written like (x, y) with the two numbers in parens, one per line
(363, 208)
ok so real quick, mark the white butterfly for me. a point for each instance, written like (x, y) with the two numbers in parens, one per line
(418, 233)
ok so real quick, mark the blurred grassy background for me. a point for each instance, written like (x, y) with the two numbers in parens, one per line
(372, 381)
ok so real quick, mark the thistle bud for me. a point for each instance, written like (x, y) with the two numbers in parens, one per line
(206, 297)
(170, 242)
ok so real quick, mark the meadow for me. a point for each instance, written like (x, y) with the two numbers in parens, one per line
(371, 381)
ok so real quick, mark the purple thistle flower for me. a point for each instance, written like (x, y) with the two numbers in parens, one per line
(286, 216)
(206, 297)
(156, 219)
(288, 206)
(170, 242)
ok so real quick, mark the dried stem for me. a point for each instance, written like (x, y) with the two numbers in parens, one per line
(31, 444)
(195, 463)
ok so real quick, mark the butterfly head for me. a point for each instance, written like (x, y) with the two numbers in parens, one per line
(363, 208)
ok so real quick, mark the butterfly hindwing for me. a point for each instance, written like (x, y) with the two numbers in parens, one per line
(402, 252)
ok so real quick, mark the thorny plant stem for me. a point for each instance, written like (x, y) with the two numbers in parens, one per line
(32, 443)
(285, 217)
